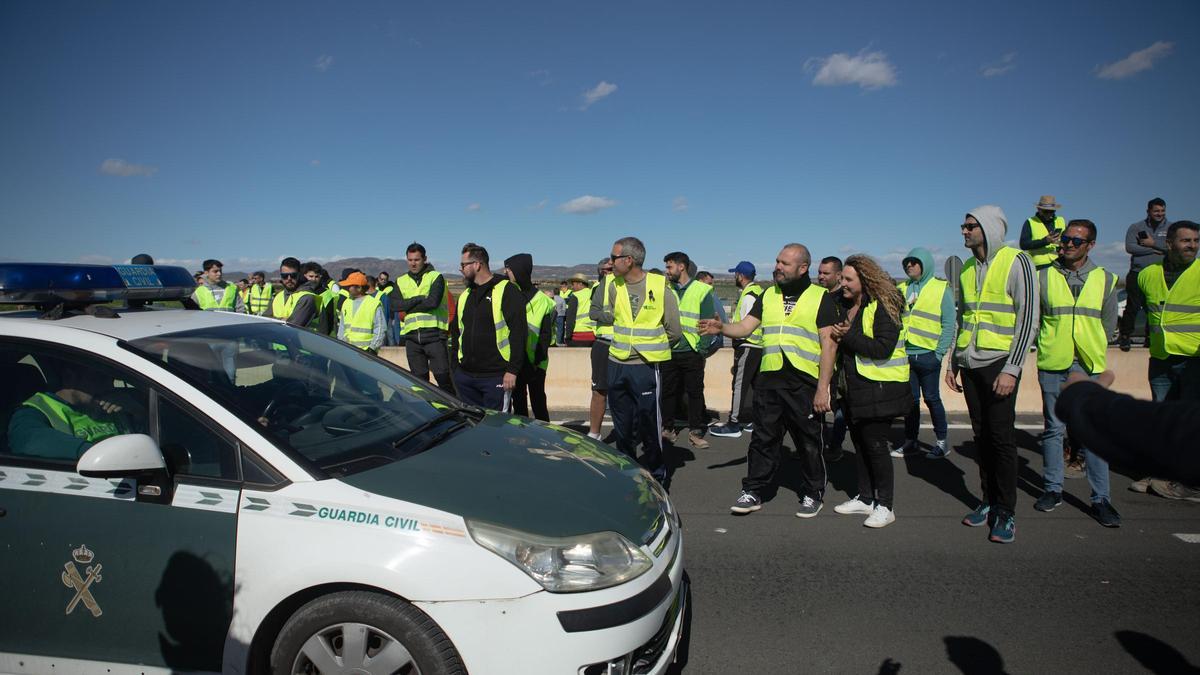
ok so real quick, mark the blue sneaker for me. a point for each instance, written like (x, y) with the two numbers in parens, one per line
(977, 518)
(1004, 530)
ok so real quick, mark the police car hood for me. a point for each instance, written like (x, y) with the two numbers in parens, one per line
(538, 478)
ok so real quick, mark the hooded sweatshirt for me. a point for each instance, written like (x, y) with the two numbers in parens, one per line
(521, 266)
(306, 307)
(1021, 287)
(946, 339)
(480, 357)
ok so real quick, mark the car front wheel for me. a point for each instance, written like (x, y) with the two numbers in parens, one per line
(363, 632)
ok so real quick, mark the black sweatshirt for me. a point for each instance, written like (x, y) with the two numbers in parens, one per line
(867, 398)
(521, 265)
(480, 357)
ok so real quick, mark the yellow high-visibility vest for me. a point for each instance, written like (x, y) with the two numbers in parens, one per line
(643, 334)
(924, 320)
(209, 303)
(689, 311)
(1072, 326)
(439, 318)
(1172, 315)
(755, 338)
(260, 299)
(1037, 230)
(989, 314)
(359, 326)
(502, 344)
(894, 368)
(792, 336)
(536, 310)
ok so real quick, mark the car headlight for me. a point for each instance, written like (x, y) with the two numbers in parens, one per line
(585, 562)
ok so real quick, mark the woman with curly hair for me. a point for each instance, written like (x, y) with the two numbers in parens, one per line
(872, 381)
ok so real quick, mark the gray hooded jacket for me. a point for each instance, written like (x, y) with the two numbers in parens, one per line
(1022, 288)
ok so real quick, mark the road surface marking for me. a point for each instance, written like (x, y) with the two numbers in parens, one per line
(1188, 538)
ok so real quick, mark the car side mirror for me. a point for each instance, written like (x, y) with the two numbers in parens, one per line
(121, 456)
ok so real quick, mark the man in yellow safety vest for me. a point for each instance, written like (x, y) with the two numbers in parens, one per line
(362, 322)
(492, 333)
(421, 295)
(685, 370)
(214, 294)
(1079, 311)
(1041, 232)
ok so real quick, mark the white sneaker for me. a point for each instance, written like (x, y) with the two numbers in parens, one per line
(881, 516)
(900, 451)
(595, 435)
(855, 505)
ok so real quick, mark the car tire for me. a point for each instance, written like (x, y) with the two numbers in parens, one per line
(385, 634)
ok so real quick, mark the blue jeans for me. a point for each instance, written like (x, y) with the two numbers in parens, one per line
(1051, 382)
(925, 376)
(560, 323)
(1175, 378)
(837, 431)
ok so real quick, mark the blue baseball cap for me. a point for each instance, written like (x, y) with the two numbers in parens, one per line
(744, 268)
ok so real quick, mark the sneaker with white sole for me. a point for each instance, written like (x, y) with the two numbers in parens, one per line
(809, 507)
(729, 430)
(747, 502)
(907, 448)
(881, 516)
(939, 451)
(855, 505)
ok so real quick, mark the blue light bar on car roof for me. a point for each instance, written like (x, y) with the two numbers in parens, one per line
(40, 283)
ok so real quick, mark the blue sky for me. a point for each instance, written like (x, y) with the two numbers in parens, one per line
(250, 131)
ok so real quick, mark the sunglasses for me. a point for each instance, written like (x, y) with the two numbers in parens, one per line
(469, 262)
(289, 275)
(1075, 241)
(969, 226)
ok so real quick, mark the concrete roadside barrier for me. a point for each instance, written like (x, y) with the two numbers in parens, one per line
(568, 379)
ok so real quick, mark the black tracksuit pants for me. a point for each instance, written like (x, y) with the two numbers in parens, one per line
(531, 382)
(777, 411)
(684, 373)
(633, 388)
(746, 361)
(429, 356)
(992, 420)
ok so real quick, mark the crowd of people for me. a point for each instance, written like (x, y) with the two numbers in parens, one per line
(853, 347)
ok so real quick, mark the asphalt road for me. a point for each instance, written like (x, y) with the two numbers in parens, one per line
(772, 593)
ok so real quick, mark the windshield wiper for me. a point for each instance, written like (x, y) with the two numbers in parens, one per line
(433, 422)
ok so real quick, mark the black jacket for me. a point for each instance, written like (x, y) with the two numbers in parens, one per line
(480, 358)
(864, 398)
(521, 265)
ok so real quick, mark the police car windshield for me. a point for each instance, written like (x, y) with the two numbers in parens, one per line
(336, 408)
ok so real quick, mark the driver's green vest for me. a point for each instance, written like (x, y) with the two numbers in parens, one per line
(894, 368)
(63, 418)
(536, 310)
(497, 320)
(924, 320)
(604, 331)
(792, 336)
(209, 303)
(1172, 315)
(1072, 326)
(1037, 230)
(755, 338)
(359, 327)
(689, 311)
(439, 318)
(260, 298)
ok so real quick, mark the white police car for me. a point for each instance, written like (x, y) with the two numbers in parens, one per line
(190, 491)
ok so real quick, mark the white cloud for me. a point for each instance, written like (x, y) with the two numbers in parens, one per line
(869, 70)
(315, 162)
(119, 167)
(473, 207)
(1135, 62)
(587, 204)
(1004, 65)
(680, 203)
(596, 93)
(540, 205)
(323, 63)
(541, 76)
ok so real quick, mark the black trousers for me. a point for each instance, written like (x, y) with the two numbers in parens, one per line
(531, 382)
(992, 420)
(777, 411)
(746, 361)
(633, 388)
(430, 356)
(876, 477)
(684, 372)
(1135, 301)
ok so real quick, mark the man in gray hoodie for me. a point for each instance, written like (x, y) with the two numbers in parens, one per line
(998, 323)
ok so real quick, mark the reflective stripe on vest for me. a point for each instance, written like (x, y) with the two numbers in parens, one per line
(358, 327)
(1072, 326)
(1037, 230)
(989, 316)
(1172, 315)
(924, 319)
(536, 310)
(793, 336)
(260, 298)
(755, 338)
(439, 318)
(283, 305)
(209, 303)
(689, 311)
(644, 333)
(65, 419)
(498, 321)
(605, 331)
(892, 369)
(583, 307)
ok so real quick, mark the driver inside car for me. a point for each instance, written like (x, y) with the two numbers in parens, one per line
(85, 409)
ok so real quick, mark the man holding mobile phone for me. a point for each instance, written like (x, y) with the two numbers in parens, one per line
(1041, 232)
(1146, 243)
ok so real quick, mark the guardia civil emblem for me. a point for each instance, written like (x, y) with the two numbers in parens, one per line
(71, 578)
